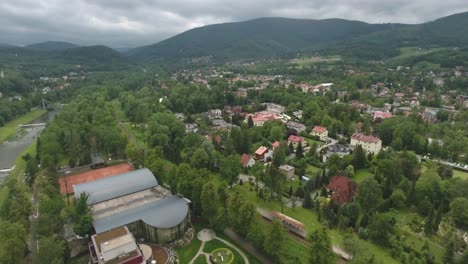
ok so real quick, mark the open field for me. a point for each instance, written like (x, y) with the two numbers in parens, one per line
(9, 129)
(360, 175)
(460, 174)
(407, 52)
(315, 59)
(311, 170)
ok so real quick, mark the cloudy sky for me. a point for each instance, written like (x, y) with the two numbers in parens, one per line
(129, 23)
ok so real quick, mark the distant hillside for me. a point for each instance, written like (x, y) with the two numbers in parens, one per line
(256, 38)
(91, 54)
(268, 37)
(51, 46)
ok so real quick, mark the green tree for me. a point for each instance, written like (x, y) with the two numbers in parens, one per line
(449, 255)
(274, 240)
(279, 157)
(370, 194)
(381, 228)
(250, 122)
(350, 171)
(51, 250)
(13, 245)
(429, 223)
(209, 203)
(256, 235)
(320, 248)
(230, 168)
(83, 220)
(459, 211)
(299, 151)
(359, 158)
(307, 203)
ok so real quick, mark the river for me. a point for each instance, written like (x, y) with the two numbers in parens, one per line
(10, 150)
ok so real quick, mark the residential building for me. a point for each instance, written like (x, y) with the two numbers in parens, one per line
(221, 125)
(369, 144)
(380, 115)
(118, 246)
(263, 154)
(297, 127)
(275, 145)
(191, 128)
(288, 171)
(296, 140)
(260, 118)
(341, 189)
(319, 131)
(247, 161)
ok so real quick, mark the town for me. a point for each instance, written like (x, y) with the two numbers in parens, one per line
(346, 152)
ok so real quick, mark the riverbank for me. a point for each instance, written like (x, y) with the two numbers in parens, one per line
(17, 172)
(9, 129)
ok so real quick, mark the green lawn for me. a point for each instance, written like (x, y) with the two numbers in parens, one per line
(361, 174)
(460, 174)
(311, 170)
(200, 260)
(210, 246)
(187, 253)
(9, 129)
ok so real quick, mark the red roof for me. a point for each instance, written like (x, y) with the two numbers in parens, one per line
(275, 144)
(90, 176)
(342, 189)
(294, 138)
(261, 150)
(382, 115)
(364, 138)
(245, 158)
(286, 219)
(319, 129)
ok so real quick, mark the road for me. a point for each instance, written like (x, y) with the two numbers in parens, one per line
(332, 142)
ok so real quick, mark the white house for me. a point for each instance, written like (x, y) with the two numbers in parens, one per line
(369, 144)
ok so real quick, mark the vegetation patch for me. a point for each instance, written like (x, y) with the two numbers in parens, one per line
(222, 255)
(8, 131)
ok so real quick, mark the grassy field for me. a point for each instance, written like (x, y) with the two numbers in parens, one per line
(407, 52)
(9, 129)
(311, 170)
(315, 59)
(187, 253)
(361, 175)
(460, 174)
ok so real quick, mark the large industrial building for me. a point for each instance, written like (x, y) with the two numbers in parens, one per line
(136, 200)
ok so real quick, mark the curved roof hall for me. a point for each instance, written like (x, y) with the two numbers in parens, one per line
(116, 186)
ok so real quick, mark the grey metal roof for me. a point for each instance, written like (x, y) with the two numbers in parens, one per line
(165, 213)
(116, 186)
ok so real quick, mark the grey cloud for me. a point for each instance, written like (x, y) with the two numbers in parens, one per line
(121, 23)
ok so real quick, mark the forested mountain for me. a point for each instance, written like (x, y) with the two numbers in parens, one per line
(51, 46)
(97, 54)
(257, 38)
(267, 37)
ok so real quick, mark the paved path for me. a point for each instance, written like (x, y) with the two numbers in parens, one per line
(200, 252)
(206, 235)
(333, 141)
(246, 260)
(247, 246)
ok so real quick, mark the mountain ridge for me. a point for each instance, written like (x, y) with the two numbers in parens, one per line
(276, 36)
